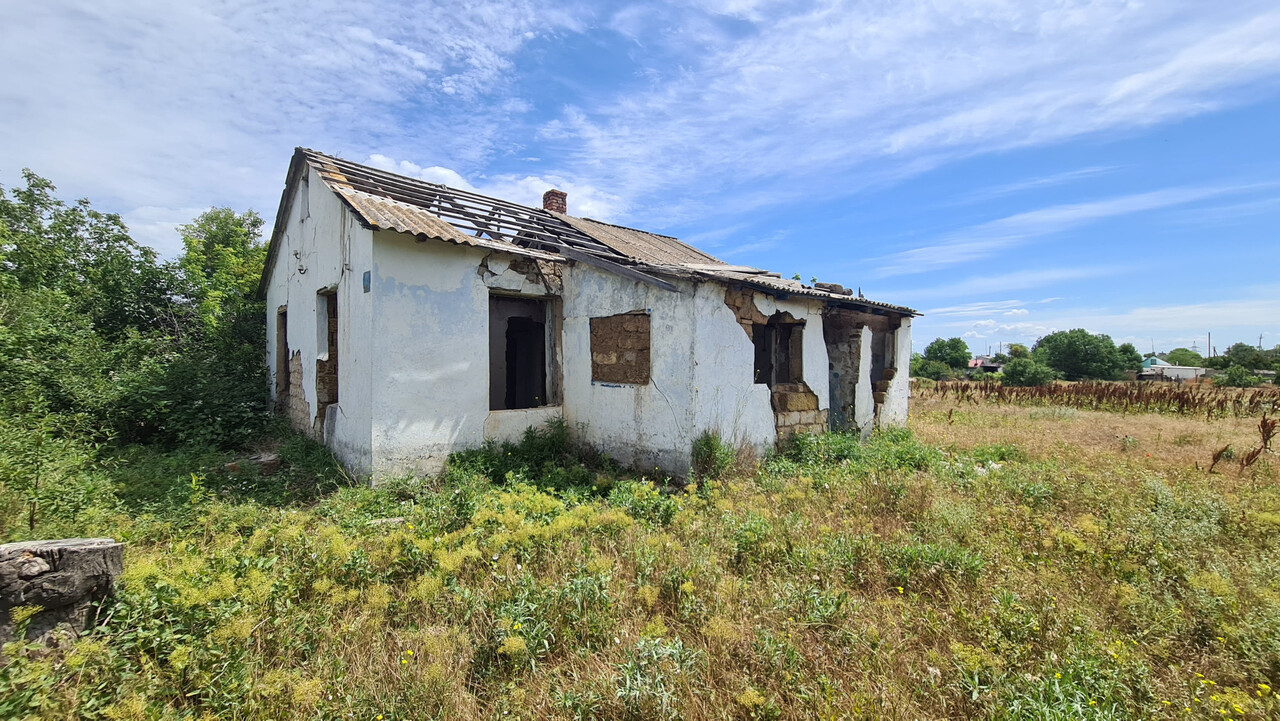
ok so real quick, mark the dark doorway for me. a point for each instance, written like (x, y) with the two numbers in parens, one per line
(517, 353)
(282, 359)
(778, 355)
(526, 363)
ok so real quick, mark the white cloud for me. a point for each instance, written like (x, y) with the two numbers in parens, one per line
(173, 105)
(1000, 283)
(987, 239)
(584, 200)
(1046, 181)
(827, 99)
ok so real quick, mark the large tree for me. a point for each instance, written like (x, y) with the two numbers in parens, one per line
(1129, 357)
(952, 351)
(1243, 354)
(1184, 357)
(1080, 355)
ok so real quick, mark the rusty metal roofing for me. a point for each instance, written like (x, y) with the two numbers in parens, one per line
(425, 210)
(430, 210)
(640, 245)
(773, 283)
(386, 214)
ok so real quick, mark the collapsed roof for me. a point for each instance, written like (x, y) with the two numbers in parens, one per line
(431, 211)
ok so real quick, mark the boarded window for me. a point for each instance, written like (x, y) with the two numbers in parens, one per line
(517, 353)
(778, 351)
(282, 359)
(327, 350)
(620, 348)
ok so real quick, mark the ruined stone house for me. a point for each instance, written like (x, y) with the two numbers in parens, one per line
(408, 320)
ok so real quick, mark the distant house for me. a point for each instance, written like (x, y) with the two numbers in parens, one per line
(1155, 369)
(985, 364)
(408, 320)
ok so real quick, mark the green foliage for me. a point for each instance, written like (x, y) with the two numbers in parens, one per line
(94, 326)
(1237, 376)
(712, 457)
(1080, 355)
(1128, 357)
(1025, 372)
(954, 352)
(922, 367)
(1017, 350)
(1184, 357)
(1247, 356)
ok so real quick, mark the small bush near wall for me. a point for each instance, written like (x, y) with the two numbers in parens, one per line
(712, 457)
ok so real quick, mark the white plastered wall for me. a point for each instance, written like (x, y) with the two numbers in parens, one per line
(431, 353)
(702, 364)
(324, 246)
(893, 412)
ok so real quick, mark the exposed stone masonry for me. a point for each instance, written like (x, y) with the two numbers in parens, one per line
(743, 305)
(795, 410)
(620, 348)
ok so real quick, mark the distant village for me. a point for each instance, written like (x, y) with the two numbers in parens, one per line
(1080, 355)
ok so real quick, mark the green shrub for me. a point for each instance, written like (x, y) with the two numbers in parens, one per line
(1236, 376)
(712, 457)
(1027, 372)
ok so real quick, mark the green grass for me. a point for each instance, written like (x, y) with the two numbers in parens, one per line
(838, 579)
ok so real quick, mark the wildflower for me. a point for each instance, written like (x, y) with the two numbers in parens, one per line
(899, 589)
(1264, 688)
(409, 652)
(1057, 675)
(517, 626)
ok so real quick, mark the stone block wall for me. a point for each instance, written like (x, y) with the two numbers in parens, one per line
(620, 348)
(795, 410)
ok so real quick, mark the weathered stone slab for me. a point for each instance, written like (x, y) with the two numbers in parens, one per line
(65, 578)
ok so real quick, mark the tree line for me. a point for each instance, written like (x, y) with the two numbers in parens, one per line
(103, 343)
(1077, 354)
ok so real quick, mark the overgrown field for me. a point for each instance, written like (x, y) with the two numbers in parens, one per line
(992, 562)
(1190, 399)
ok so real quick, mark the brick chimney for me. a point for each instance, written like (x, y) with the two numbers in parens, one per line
(556, 201)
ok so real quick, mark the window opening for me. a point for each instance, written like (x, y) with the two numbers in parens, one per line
(327, 357)
(778, 351)
(282, 358)
(517, 353)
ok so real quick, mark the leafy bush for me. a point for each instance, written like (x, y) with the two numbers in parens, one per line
(931, 369)
(1237, 376)
(712, 457)
(1024, 372)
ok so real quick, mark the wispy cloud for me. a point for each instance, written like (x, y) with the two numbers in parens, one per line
(988, 285)
(173, 105)
(584, 200)
(854, 90)
(1047, 181)
(984, 240)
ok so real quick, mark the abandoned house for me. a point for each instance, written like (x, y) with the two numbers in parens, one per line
(408, 320)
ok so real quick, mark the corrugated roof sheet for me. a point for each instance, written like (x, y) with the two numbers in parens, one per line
(770, 281)
(387, 214)
(428, 210)
(640, 245)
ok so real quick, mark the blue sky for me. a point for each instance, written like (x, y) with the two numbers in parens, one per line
(1008, 167)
